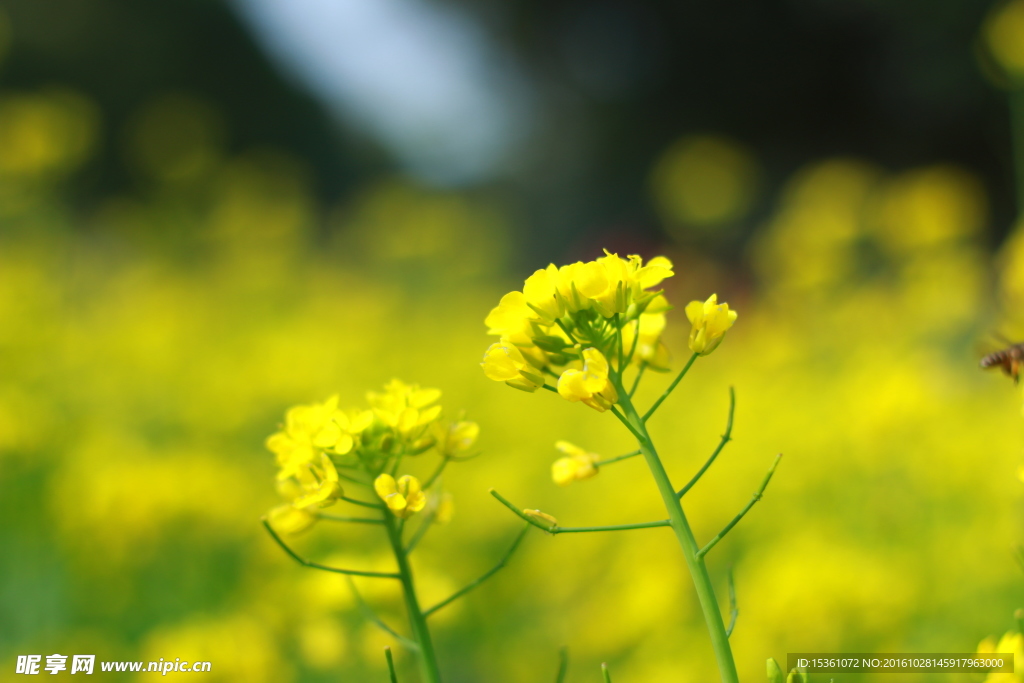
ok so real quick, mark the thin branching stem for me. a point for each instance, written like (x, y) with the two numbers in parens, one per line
(314, 565)
(555, 529)
(636, 381)
(488, 574)
(563, 664)
(427, 659)
(609, 461)
(604, 672)
(618, 341)
(391, 664)
(362, 503)
(632, 348)
(726, 438)
(549, 387)
(437, 473)
(677, 380)
(372, 616)
(627, 423)
(567, 332)
(351, 520)
(358, 482)
(681, 528)
(421, 531)
(734, 611)
(736, 520)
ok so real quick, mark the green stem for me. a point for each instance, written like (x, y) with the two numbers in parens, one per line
(736, 520)
(425, 523)
(726, 438)
(639, 375)
(563, 664)
(488, 574)
(417, 621)
(362, 503)
(391, 664)
(734, 611)
(607, 674)
(351, 520)
(555, 529)
(609, 461)
(681, 527)
(679, 377)
(315, 565)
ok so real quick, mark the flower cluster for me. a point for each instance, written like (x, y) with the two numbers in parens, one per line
(585, 322)
(368, 445)
(576, 465)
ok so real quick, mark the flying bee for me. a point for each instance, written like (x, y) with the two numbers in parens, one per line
(1010, 359)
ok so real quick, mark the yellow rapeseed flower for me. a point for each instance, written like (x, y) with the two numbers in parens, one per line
(504, 362)
(591, 384)
(649, 347)
(311, 429)
(289, 519)
(320, 484)
(403, 497)
(459, 437)
(577, 464)
(710, 321)
(1010, 642)
(512, 319)
(406, 408)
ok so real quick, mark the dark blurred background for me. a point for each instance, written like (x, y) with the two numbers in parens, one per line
(560, 109)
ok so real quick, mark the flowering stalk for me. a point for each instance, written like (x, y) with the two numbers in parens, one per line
(681, 528)
(369, 447)
(587, 324)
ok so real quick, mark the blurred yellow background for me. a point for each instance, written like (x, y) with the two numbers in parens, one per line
(148, 347)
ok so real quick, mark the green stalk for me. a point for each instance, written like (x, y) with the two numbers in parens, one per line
(421, 634)
(681, 527)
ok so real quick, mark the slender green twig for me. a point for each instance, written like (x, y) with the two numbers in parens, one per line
(726, 438)
(421, 530)
(679, 377)
(620, 353)
(735, 520)
(353, 520)
(632, 347)
(609, 461)
(681, 527)
(734, 611)
(627, 423)
(567, 332)
(549, 387)
(437, 472)
(555, 529)
(306, 563)
(376, 620)
(353, 480)
(430, 672)
(636, 381)
(362, 503)
(486, 575)
(607, 674)
(563, 664)
(391, 664)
